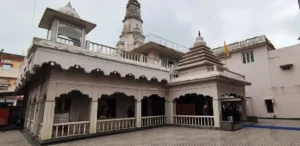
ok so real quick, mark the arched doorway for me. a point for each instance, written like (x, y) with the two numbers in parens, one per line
(194, 110)
(153, 105)
(72, 107)
(116, 112)
(194, 104)
(71, 114)
(116, 105)
(153, 111)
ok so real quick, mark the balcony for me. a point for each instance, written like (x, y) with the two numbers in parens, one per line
(164, 42)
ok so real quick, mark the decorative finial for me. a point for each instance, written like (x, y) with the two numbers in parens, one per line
(199, 40)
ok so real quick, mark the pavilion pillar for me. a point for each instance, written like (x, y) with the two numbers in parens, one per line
(93, 116)
(46, 132)
(169, 108)
(138, 113)
(216, 107)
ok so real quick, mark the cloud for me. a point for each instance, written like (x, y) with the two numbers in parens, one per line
(175, 20)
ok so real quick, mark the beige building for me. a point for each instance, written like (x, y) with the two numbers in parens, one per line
(9, 72)
(274, 74)
(77, 88)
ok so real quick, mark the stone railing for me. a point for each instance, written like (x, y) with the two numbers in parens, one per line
(106, 50)
(165, 42)
(70, 129)
(206, 121)
(216, 70)
(153, 121)
(115, 124)
(68, 41)
(242, 44)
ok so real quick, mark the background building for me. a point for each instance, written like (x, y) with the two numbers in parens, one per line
(10, 69)
(274, 74)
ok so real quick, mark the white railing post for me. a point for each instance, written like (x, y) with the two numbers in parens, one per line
(93, 116)
(46, 132)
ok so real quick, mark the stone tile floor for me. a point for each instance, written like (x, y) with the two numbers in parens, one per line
(180, 136)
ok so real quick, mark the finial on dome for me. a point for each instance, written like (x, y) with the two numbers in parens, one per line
(68, 9)
(199, 41)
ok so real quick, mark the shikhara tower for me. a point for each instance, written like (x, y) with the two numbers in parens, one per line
(132, 33)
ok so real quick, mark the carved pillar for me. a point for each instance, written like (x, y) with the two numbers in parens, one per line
(93, 116)
(46, 132)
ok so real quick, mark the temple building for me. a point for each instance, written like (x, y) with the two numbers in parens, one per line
(77, 88)
(274, 74)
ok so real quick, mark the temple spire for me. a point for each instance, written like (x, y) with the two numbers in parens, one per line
(132, 33)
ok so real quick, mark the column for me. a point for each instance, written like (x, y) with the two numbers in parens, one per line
(46, 132)
(138, 113)
(216, 107)
(93, 116)
(28, 116)
(169, 108)
(36, 118)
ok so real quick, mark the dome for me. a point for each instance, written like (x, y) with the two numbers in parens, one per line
(69, 10)
(199, 41)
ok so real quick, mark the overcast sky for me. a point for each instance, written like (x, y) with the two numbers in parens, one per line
(176, 20)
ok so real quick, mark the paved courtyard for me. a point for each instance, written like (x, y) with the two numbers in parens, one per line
(180, 136)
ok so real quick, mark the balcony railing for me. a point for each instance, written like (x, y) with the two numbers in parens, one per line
(165, 42)
(206, 121)
(70, 129)
(207, 72)
(131, 56)
(153, 121)
(115, 124)
(68, 41)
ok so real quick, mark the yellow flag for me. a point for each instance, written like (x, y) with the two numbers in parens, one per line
(226, 49)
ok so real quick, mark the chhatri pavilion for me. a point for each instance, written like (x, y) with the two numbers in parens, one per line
(77, 88)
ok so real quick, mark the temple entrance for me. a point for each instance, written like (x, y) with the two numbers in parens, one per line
(153, 105)
(194, 104)
(233, 108)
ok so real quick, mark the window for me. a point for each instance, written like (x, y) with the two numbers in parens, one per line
(6, 67)
(69, 35)
(3, 87)
(4, 80)
(248, 57)
(269, 105)
(6, 61)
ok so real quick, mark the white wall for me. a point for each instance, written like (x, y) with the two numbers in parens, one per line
(269, 80)
(285, 84)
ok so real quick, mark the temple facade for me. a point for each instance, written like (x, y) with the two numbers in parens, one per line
(77, 88)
